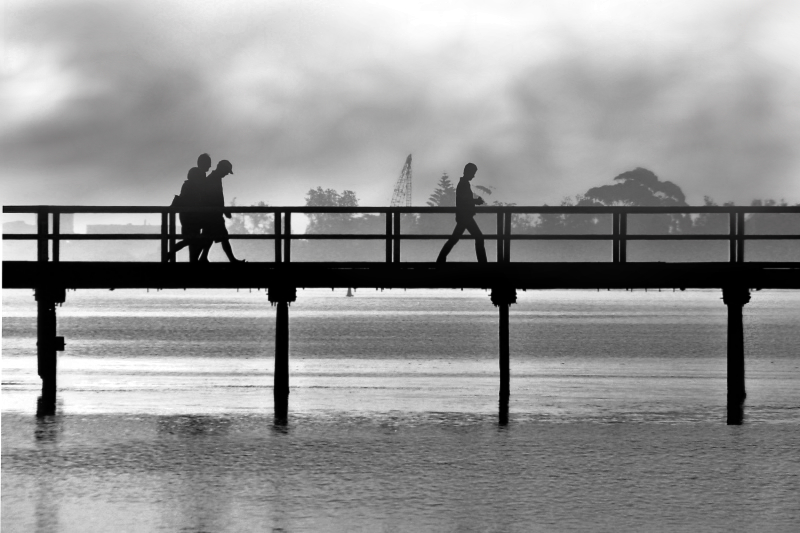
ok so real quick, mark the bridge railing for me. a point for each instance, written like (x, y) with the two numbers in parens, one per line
(48, 236)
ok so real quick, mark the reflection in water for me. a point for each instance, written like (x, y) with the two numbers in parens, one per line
(196, 503)
(48, 422)
(280, 426)
(47, 434)
(45, 406)
(194, 425)
(398, 471)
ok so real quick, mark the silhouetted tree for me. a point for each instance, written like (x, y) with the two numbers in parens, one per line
(329, 222)
(639, 187)
(251, 222)
(636, 187)
(444, 195)
(710, 223)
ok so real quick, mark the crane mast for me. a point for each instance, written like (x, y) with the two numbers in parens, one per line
(402, 189)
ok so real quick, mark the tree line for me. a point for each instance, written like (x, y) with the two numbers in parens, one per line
(637, 187)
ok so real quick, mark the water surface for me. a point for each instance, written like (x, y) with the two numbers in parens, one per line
(617, 414)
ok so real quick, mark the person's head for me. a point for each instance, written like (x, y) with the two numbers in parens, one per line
(469, 170)
(204, 162)
(224, 168)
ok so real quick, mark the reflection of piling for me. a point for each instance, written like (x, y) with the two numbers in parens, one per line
(735, 298)
(282, 296)
(503, 297)
(349, 292)
(48, 343)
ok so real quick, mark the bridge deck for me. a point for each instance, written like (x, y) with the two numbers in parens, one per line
(119, 275)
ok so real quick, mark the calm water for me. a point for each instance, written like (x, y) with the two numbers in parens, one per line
(617, 414)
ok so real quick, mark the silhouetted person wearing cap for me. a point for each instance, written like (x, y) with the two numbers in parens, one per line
(465, 211)
(192, 195)
(213, 224)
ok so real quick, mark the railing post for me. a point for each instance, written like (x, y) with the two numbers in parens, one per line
(396, 237)
(732, 255)
(164, 237)
(56, 240)
(41, 241)
(623, 242)
(388, 236)
(500, 240)
(740, 238)
(507, 238)
(278, 243)
(172, 231)
(287, 240)
(615, 239)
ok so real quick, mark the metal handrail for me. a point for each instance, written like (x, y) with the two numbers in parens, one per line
(283, 236)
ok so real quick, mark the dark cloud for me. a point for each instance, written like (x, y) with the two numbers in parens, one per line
(298, 99)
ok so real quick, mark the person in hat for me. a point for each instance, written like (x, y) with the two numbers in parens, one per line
(214, 224)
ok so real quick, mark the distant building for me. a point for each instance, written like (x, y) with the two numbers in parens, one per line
(122, 228)
(66, 220)
(19, 226)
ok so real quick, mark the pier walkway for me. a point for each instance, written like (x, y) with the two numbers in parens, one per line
(735, 274)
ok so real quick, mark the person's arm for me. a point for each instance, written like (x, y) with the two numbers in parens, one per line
(216, 196)
(464, 200)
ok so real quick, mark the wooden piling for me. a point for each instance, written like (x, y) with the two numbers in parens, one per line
(505, 373)
(503, 297)
(281, 296)
(281, 382)
(735, 298)
(47, 342)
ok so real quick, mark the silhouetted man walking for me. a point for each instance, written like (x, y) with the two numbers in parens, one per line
(192, 195)
(465, 211)
(214, 225)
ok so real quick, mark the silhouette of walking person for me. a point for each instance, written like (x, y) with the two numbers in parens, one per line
(192, 195)
(465, 211)
(213, 224)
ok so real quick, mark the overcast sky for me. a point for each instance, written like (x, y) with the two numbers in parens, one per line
(110, 103)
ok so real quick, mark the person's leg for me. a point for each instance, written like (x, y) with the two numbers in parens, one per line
(226, 246)
(206, 246)
(195, 247)
(475, 231)
(192, 234)
(457, 232)
(178, 247)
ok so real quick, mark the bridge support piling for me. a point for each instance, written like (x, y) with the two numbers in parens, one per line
(281, 297)
(735, 298)
(47, 342)
(503, 297)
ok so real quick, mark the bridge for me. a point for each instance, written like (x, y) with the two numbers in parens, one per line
(735, 275)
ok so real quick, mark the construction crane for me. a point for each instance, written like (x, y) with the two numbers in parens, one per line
(402, 189)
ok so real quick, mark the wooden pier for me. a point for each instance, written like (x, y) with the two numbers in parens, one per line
(736, 277)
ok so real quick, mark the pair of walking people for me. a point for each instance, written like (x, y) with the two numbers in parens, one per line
(202, 230)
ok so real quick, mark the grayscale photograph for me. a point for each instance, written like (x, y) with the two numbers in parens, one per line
(379, 266)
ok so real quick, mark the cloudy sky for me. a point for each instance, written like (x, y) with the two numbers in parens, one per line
(111, 102)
